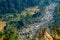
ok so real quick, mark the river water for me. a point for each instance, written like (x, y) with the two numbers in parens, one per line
(49, 12)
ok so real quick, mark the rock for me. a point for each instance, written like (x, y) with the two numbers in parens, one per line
(2, 25)
(47, 36)
(44, 35)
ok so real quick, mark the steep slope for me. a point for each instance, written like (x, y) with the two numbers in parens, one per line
(2, 25)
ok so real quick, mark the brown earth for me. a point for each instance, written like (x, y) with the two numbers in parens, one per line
(2, 25)
(44, 35)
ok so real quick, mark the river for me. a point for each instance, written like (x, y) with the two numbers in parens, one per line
(32, 30)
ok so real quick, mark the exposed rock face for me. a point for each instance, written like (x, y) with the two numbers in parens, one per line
(1, 38)
(41, 34)
(2, 25)
(44, 35)
(47, 36)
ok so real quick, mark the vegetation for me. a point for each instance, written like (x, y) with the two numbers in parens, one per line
(11, 14)
(56, 33)
(9, 33)
(16, 6)
(14, 22)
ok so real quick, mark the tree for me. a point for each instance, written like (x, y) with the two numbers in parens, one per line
(10, 33)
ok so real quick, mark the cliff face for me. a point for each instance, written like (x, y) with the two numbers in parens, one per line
(50, 34)
(2, 25)
(44, 35)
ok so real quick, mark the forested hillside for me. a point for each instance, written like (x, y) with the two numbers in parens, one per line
(16, 6)
(29, 19)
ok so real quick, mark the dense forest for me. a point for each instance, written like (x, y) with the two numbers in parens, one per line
(16, 6)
